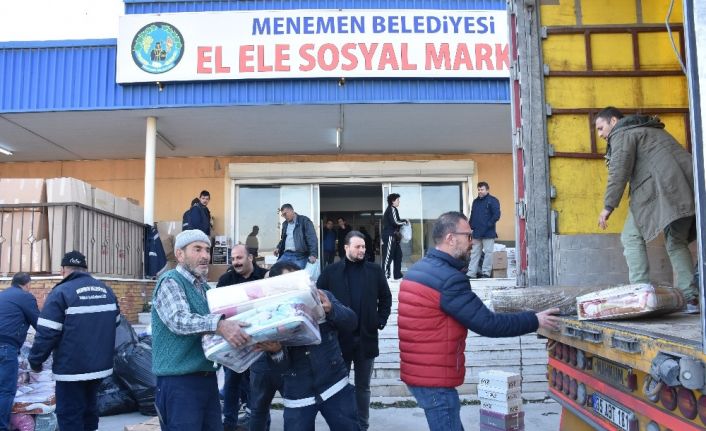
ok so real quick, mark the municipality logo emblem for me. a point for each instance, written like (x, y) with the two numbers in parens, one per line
(157, 47)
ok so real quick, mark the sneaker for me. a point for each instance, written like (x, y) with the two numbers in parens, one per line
(692, 308)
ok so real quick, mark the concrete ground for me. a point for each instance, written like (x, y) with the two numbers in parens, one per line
(538, 416)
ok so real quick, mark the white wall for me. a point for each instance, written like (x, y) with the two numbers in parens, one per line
(33, 20)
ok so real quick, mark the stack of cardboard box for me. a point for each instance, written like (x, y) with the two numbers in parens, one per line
(35, 238)
(500, 396)
(500, 264)
(100, 238)
(24, 231)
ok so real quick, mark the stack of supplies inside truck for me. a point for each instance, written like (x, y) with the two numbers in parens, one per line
(286, 309)
(625, 302)
(35, 391)
(539, 298)
(500, 395)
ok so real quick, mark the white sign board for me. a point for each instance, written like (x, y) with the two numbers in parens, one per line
(409, 43)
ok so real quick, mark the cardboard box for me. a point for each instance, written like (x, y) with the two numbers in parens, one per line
(26, 247)
(500, 273)
(69, 229)
(68, 189)
(512, 421)
(122, 207)
(500, 260)
(22, 191)
(136, 212)
(168, 230)
(507, 394)
(216, 270)
(103, 200)
(503, 407)
(499, 380)
(485, 427)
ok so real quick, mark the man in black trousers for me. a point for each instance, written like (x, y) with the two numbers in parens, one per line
(361, 286)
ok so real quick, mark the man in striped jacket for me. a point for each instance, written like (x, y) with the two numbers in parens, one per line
(77, 323)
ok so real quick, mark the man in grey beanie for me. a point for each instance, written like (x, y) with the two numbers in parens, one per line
(187, 389)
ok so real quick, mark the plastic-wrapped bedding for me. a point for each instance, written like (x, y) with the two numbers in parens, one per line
(539, 298)
(630, 301)
(284, 308)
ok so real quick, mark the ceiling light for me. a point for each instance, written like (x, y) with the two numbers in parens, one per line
(166, 141)
(5, 152)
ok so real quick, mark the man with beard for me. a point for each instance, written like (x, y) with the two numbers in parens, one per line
(187, 388)
(436, 309)
(243, 269)
(361, 286)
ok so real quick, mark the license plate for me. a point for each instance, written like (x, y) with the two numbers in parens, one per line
(617, 415)
(612, 372)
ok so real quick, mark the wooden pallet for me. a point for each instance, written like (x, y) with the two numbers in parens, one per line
(150, 425)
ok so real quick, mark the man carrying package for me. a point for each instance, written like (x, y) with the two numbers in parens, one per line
(187, 389)
(315, 377)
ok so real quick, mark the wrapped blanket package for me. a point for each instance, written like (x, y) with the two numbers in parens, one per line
(540, 298)
(35, 391)
(284, 308)
(633, 300)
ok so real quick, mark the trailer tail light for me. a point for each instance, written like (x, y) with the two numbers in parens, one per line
(572, 356)
(566, 386)
(581, 394)
(702, 408)
(565, 352)
(554, 377)
(573, 388)
(668, 397)
(559, 381)
(687, 403)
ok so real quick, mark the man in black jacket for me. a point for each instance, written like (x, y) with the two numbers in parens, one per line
(78, 323)
(18, 310)
(243, 269)
(361, 286)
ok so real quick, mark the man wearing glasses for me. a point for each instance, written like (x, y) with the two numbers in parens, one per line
(436, 309)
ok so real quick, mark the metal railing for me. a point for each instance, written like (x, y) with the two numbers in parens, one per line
(34, 238)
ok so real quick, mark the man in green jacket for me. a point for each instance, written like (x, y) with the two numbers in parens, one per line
(661, 179)
(187, 389)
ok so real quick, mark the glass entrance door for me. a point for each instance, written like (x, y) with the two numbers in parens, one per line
(259, 206)
(422, 204)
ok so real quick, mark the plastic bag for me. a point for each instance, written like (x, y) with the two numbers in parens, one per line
(288, 318)
(632, 300)
(313, 269)
(113, 398)
(406, 231)
(45, 422)
(21, 422)
(124, 333)
(133, 366)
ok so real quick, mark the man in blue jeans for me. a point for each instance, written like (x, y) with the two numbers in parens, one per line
(436, 309)
(18, 310)
(298, 242)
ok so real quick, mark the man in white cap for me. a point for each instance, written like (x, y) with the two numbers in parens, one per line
(187, 389)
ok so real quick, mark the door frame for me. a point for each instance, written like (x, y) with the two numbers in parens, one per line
(290, 173)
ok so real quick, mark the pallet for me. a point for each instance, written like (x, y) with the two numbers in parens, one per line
(150, 425)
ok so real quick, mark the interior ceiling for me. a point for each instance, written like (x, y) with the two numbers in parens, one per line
(259, 130)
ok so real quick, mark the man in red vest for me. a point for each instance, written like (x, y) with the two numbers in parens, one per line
(436, 309)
